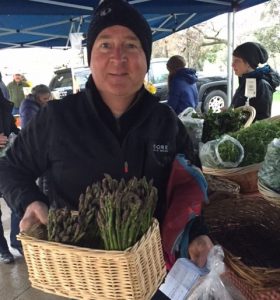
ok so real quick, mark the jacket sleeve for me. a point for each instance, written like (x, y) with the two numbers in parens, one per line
(174, 95)
(263, 101)
(27, 112)
(25, 161)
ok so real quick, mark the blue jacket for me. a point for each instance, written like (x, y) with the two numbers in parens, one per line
(183, 90)
(28, 109)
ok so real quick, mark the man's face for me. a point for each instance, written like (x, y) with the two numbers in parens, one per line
(118, 62)
(17, 77)
(240, 66)
(44, 98)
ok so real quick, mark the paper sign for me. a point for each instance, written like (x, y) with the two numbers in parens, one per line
(181, 278)
(251, 87)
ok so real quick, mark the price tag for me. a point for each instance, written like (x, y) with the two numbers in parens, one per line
(251, 87)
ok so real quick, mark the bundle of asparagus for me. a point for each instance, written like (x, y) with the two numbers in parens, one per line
(118, 212)
(126, 211)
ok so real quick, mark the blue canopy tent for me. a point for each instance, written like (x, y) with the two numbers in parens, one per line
(48, 23)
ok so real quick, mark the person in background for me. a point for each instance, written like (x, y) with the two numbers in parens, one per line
(39, 97)
(7, 125)
(4, 89)
(182, 89)
(245, 63)
(114, 127)
(16, 92)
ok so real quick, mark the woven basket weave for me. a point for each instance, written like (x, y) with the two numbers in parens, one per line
(82, 273)
(245, 177)
(248, 228)
(269, 194)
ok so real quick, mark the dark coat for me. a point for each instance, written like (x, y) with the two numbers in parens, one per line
(28, 109)
(77, 139)
(7, 121)
(266, 80)
(183, 90)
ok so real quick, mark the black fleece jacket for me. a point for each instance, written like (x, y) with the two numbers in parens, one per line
(266, 82)
(77, 140)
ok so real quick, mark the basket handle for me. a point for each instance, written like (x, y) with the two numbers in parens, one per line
(252, 112)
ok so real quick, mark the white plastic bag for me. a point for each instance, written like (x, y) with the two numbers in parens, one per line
(269, 173)
(194, 126)
(211, 287)
(11, 139)
(210, 157)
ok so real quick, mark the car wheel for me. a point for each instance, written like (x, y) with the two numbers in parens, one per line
(215, 100)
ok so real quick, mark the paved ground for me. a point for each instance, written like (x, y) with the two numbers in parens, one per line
(14, 283)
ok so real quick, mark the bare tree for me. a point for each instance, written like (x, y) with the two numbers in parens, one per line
(196, 44)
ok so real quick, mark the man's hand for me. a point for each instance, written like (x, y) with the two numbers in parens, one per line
(3, 140)
(36, 213)
(199, 249)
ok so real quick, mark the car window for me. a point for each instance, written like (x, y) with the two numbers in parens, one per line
(82, 77)
(159, 72)
(63, 80)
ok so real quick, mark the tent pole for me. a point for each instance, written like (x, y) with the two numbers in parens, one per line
(230, 34)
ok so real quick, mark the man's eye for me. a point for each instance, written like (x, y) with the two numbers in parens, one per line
(105, 45)
(131, 45)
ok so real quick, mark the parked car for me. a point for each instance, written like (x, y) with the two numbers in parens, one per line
(67, 80)
(212, 90)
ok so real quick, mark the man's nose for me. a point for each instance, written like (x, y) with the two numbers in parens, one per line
(119, 54)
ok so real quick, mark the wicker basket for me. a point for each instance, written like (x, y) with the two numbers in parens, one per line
(245, 177)
(252, 112)
(82, 273)
(248, 229)
(269, 194)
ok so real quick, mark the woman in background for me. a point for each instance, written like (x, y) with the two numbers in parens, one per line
(246, 59)
(182, 89)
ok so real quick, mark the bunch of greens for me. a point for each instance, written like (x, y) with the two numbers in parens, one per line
(217, 124)
(254, 140)
(229, 152)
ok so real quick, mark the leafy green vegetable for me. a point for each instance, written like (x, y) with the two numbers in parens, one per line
(255, 140)
(217, 124)
(229, 151)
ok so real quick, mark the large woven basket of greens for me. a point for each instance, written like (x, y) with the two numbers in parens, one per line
(109, 249)
(238, 155)
(269, 173)
(248, 228)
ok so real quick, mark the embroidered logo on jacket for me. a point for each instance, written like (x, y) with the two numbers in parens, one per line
(160, 148)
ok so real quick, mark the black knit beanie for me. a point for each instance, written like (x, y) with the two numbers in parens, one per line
(253, 53)
(119, 12)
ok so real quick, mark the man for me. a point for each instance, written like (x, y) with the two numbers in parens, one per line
(40, 95)
(7, 125)
(115, 127)
(15, 89)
